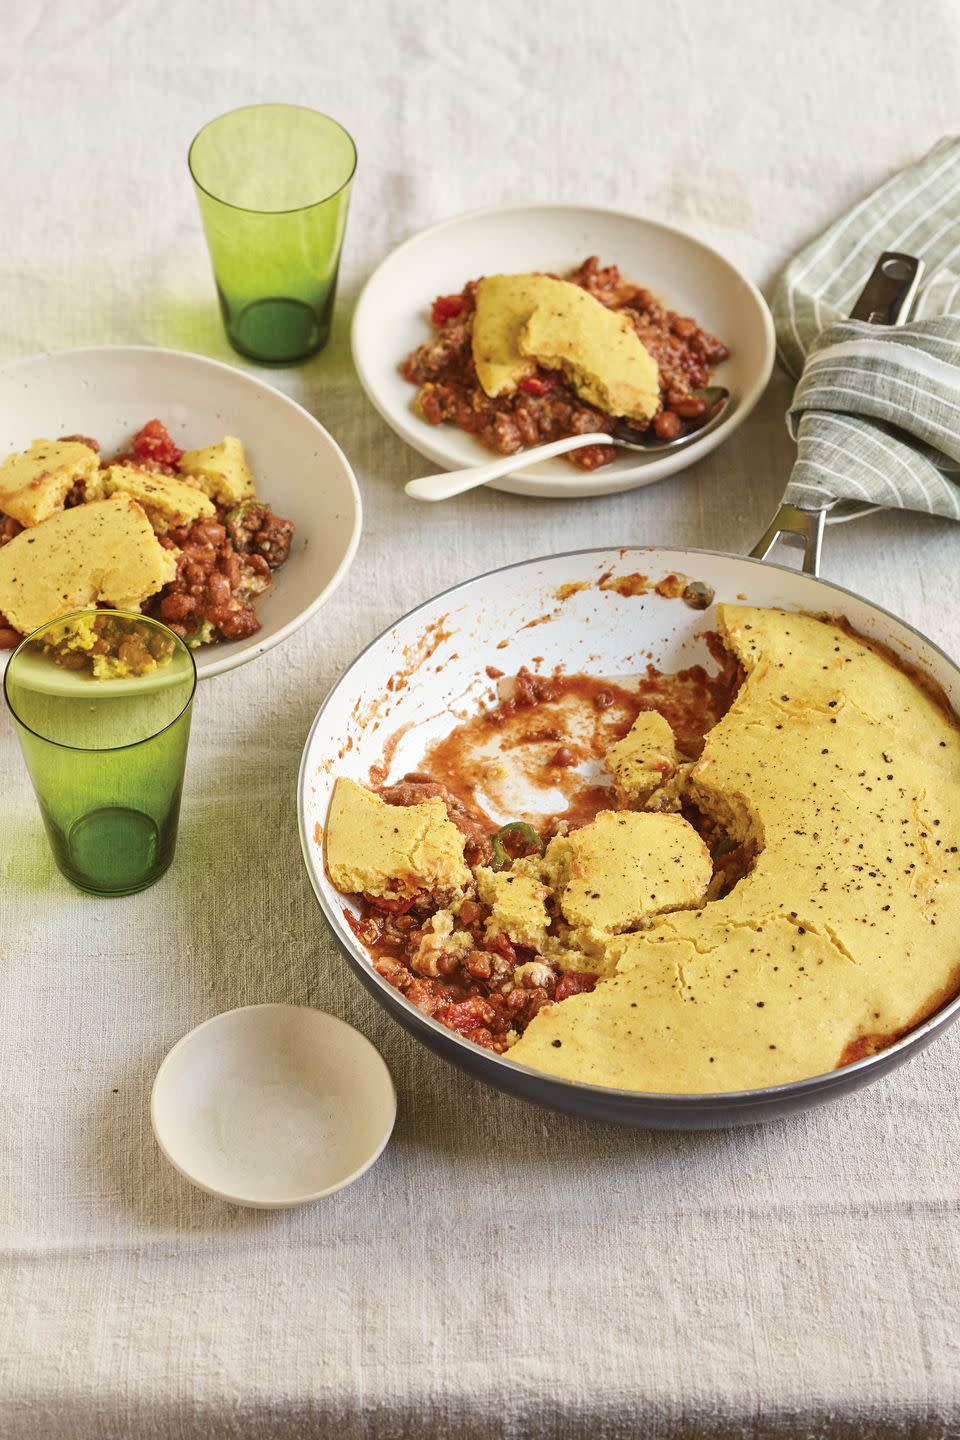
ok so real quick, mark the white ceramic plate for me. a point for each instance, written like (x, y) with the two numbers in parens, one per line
(393, 317)
(273, 1105)
(109, 392)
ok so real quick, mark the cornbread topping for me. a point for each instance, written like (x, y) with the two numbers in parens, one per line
(181, 535)
(523, 321)
(645, 760)
(105, 552)
(518, 905)
(392, 851)
(798, 910)
(598, 350)
(625, 866)
(166, 501)
(34, 485)
(221, 471)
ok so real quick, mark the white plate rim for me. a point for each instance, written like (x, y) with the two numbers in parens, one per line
(217, 665)
(417, 433)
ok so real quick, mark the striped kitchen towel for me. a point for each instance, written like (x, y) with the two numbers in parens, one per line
(876, 412)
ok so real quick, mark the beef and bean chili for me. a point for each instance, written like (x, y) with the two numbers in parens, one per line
(223, 562)
(546, 406)
(492, 991)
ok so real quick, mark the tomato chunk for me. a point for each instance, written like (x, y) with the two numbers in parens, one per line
(574, 982)
(537, 385)
(467, 1015)
(390, 906)
(499, 944)
(154, 442)
(445, 307)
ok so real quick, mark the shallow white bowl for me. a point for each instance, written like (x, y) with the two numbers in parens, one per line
(110, 391)
(393, 317)
(273, 1105)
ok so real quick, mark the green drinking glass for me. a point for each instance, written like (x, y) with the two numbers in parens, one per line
(273, 186)
(101, 702)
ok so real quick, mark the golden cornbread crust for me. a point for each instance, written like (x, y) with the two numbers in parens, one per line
(645, 760)
(391, 851)
(102, 553)
(518, 904)
(525, 320)
(598, 350)
(844, 773)
(774, 897)
(221, 470)
(166, 501)
(33, 485)
(610, 876)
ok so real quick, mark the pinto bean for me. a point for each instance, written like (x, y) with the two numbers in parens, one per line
(690, 408)
(178, 607)
(218, 589)
(667, 425)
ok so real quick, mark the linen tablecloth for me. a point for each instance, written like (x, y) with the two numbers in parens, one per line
(501, 1271)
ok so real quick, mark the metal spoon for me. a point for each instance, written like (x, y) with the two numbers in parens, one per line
(454, 482)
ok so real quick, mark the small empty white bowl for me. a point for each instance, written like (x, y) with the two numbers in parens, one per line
(273, 1105)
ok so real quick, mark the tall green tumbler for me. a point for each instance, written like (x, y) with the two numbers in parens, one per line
(273, 186)
(101, 701)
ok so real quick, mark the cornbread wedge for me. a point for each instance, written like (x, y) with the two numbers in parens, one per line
(166, 501)
(621, 869)
(598, 350)
(34, 485)
(221, 470)
(105, 551)
(522, 321)
(644, 759)
(394, 851)
(517, 901)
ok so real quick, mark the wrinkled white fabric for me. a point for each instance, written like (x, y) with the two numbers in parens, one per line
(501, 1271)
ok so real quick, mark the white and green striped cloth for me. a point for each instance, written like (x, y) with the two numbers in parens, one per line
(876, 412)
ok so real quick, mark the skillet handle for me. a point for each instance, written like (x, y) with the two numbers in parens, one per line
(794, 520)
(886, 299)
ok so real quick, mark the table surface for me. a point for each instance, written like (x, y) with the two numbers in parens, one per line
(501, 1270)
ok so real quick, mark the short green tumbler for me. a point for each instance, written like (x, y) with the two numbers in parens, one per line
(101, 700)
(273, 186)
